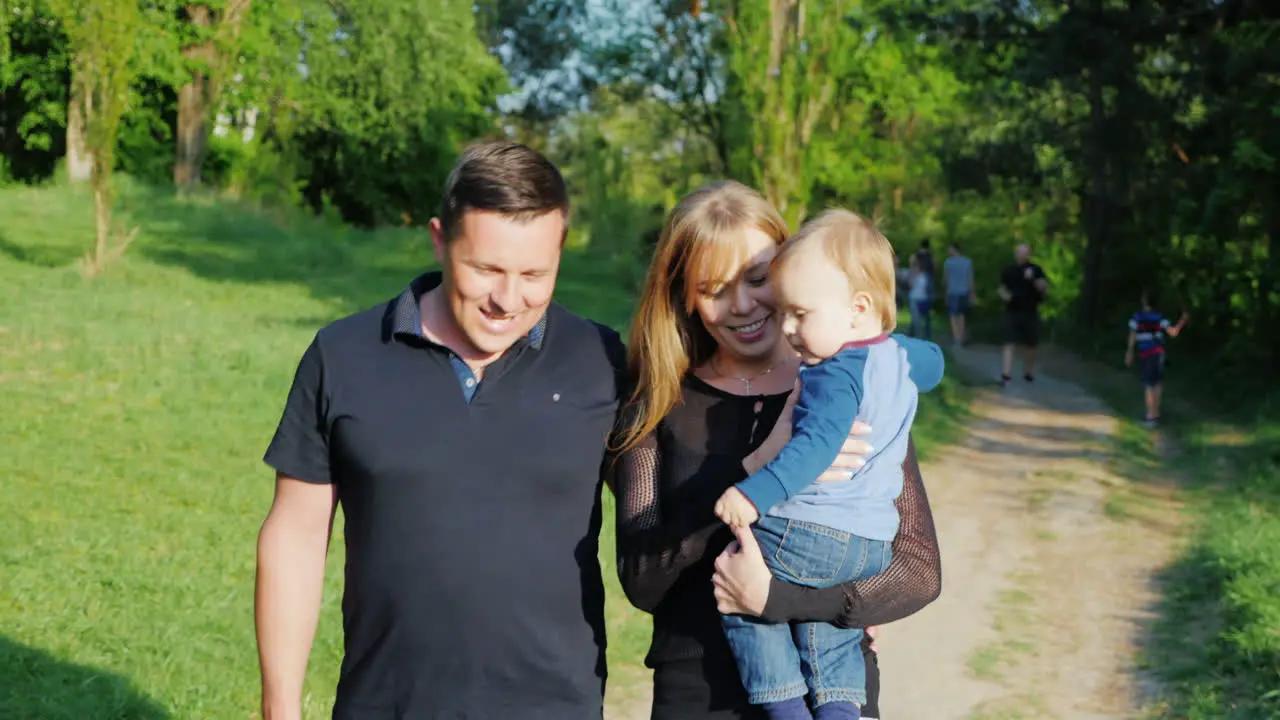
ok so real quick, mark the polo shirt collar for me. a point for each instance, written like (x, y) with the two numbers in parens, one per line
(406, 315)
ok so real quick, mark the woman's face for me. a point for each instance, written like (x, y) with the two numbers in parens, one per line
(738, 311)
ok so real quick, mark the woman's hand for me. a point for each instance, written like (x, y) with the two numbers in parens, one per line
(851, 456)
(741, 578)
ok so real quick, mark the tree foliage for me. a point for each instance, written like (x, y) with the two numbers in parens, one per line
(1131, 142)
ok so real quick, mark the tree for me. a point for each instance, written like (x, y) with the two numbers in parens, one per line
(101, 35)
(390, 91)
(214, 32)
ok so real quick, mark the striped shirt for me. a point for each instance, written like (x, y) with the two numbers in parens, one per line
(1148, 327)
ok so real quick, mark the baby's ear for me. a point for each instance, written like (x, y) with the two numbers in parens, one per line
(861, 303)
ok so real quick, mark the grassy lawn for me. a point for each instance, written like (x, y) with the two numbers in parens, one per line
(136, 410)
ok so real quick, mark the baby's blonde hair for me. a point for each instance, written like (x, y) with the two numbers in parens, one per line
(858, 249)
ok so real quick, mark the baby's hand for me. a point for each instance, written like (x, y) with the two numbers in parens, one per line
(735, 510)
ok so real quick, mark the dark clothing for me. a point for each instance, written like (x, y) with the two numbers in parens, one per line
(704, 689)
(1022, 328)
(1149, 327)
(1022, 314)
(669, 537)
(1151, 369)
(1020, 279)
(454, 507)
(924, 260)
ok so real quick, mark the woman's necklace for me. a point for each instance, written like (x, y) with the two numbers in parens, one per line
(746, 381)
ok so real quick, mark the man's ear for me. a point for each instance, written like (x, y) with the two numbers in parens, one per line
(438, 240)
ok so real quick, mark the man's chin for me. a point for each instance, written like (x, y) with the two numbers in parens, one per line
(489, 343)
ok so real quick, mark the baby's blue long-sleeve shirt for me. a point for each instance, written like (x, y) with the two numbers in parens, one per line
(876, 381)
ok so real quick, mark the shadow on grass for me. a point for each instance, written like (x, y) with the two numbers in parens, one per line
(36, 686)
(1214, 644)
(40, 255)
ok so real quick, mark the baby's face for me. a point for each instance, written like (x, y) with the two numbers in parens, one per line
(815, 305)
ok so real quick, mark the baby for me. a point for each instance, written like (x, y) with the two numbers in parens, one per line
(834, 283)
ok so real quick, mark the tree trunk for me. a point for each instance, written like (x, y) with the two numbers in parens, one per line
(198, 98)
(102, 223)
(193, 104)
(79, 162)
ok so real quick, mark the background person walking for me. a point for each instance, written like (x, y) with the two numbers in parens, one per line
(957, 275)
(918, 300)
(1022, 287)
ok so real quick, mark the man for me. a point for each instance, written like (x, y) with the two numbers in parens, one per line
(957, 275)
(461, 425)
(1022, 287)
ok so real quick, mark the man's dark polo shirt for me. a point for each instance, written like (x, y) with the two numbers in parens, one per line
(472, 584)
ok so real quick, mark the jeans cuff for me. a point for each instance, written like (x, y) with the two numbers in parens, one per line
(772, 695)
(822, 697)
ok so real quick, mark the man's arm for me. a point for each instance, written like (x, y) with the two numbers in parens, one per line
(294, 538)
(292, 547)
(1004, 291)
(835, 390)
(1174, 330)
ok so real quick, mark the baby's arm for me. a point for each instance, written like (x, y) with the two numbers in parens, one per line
(829, 397)
(926, 361)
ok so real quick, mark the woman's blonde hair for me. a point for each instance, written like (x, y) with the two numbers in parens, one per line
(860, 251)
(702, 238)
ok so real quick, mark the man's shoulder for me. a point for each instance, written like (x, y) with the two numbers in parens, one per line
(362, 326)
(578, 331)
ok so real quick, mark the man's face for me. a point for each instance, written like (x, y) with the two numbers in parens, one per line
(499, 275)
(1022, 254)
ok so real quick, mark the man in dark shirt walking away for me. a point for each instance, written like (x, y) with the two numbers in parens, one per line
(1022, 287)
(461, 426)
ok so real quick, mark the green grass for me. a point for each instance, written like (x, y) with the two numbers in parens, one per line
(1216, 645)
(136, 410)
(1218, 642)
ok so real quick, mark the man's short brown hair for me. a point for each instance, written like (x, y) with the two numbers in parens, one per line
(503, 177)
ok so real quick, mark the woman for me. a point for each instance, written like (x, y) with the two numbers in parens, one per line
(713, 387)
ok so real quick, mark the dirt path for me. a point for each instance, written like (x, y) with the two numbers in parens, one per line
(1048, 555)
(1048, 559)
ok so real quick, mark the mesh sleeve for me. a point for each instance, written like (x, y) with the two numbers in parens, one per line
(912, 580)
(652, 549)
